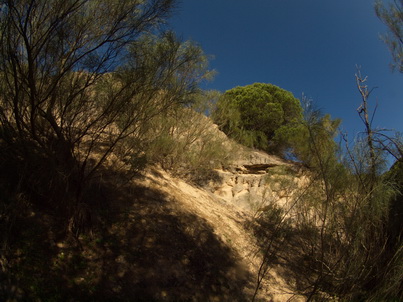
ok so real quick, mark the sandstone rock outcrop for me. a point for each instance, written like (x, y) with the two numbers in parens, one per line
(248, 183)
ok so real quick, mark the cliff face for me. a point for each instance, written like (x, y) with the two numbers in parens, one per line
(250, 183)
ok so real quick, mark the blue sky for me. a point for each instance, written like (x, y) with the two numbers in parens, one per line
(308, 47)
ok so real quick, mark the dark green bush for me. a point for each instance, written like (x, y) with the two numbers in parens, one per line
(253, 115)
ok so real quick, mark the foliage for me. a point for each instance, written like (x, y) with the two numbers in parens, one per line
(253, 114)
(80, 83)
(185, 141)
(345, 231)
(267, 117)
(88, 87)
(392, 15)
(314, 135)
(343, 240)
(80, 77)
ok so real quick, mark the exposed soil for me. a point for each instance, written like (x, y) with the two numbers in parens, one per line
(227, 224)
(156, 239)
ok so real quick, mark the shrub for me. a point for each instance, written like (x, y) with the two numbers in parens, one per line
(253, 114)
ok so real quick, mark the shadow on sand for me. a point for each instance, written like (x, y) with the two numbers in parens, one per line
(144, 248)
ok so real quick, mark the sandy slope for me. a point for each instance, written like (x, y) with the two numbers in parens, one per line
(229, 225)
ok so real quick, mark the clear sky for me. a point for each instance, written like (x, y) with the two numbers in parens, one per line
(308, 47)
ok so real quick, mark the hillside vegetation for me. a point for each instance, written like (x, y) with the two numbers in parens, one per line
(115, 185)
